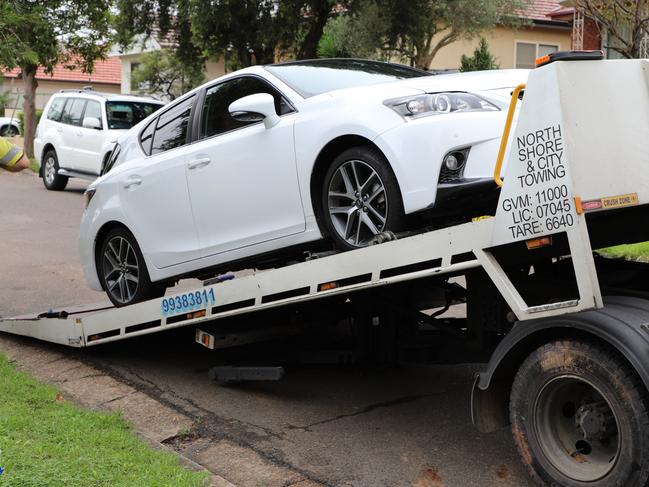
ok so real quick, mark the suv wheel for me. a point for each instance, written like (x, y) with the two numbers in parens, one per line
(51, 177)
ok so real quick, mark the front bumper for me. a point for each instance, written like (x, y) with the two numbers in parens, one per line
(467, 197)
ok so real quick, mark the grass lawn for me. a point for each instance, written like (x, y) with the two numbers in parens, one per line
(638, 251)
(45, 442)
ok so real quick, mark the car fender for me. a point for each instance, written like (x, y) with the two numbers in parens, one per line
(623, 324)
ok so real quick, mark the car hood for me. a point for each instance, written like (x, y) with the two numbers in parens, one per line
(479, 81)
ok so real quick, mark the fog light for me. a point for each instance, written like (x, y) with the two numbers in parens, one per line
(454, 160)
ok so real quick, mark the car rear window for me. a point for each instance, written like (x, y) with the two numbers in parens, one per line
(123, 115)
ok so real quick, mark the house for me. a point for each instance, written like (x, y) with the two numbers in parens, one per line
(516, 47)
(105, 77)
(130, 59)
(587, 34)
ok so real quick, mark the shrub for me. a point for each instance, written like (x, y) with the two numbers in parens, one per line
(21, 120)
(481, 60)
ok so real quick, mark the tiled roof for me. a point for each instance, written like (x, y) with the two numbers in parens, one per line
(106, 72)
(539, 10)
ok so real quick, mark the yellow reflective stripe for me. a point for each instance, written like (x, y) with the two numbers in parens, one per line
(11, 157)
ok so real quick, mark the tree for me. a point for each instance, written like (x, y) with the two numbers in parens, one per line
(162, 72)
(43, 33)
(360, 33)
(481, 60)
(625, 21)
(420, 28)
(245, 32)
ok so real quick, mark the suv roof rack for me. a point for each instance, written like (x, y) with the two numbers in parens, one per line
(86, 89)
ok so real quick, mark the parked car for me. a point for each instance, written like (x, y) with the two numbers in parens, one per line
(77, 132)
(277, 157)
(9, 127)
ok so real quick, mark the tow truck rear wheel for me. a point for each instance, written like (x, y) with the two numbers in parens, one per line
(580, 417)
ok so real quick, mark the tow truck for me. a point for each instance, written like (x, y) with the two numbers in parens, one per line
(565, 330)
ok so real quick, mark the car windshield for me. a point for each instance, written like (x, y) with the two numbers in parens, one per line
(125, 114)
(311, 78)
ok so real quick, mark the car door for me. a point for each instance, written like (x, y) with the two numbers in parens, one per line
(89, 141)
(69, 128)
(153, 191)
(242, 176)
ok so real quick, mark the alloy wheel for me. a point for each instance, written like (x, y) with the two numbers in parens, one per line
(358, 205)
(121, 271)
(50, 170)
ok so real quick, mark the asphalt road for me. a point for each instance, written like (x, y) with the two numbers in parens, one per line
(338, 426)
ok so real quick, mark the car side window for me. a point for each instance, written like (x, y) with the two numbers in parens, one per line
(73, 111)
(215, 116)
(56, 109)
(93, 110)
(146, 137)
(171, 130)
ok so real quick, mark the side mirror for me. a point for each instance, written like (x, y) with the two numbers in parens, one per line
(91, 123)
(255, 108)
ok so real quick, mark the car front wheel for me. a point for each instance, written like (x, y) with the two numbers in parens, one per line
(122, 270)
(360, 198)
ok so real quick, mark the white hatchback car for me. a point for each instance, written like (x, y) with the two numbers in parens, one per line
(78, 130)
(270, 159)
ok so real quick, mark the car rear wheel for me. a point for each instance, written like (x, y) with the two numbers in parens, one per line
(9, 131)
(360, 198)
(122, 270)
(51, 177)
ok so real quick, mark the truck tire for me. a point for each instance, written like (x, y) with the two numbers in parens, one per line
(580, 417)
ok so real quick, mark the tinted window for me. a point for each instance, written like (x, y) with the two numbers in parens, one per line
(123, 115)
(147, 136)
(73, 111)
(319, 76)
(93, 110)
(171, 130)
(215, 116)
(56, 109)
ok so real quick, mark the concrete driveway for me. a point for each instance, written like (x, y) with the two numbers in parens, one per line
(335, 426)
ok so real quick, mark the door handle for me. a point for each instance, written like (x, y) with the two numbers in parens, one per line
(132, 181)
(199, 162)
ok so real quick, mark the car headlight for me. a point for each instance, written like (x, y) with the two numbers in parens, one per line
(439, 103)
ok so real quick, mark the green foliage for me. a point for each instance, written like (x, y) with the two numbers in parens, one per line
(638, 251)
(43, 33)
(46, 442)
(420, 28)
(162, 72)
(21, 120)
(359, 34)
(481, 60)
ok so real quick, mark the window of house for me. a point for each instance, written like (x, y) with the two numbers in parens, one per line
(528, 52)
(73, 111)
(215, 114)
(56, 109)
(171, 130)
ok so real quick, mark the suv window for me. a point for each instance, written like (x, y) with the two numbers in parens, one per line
(215, 117)
(56, 109)
(171, 130)
(93, 110)
(125, 114)
(73, 111)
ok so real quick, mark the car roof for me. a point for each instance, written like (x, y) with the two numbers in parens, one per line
(97, 95)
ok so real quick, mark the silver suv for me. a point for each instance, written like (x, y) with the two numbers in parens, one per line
(76, 133)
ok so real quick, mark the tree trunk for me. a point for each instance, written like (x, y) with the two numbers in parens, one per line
(29, 107)
(320, 14)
